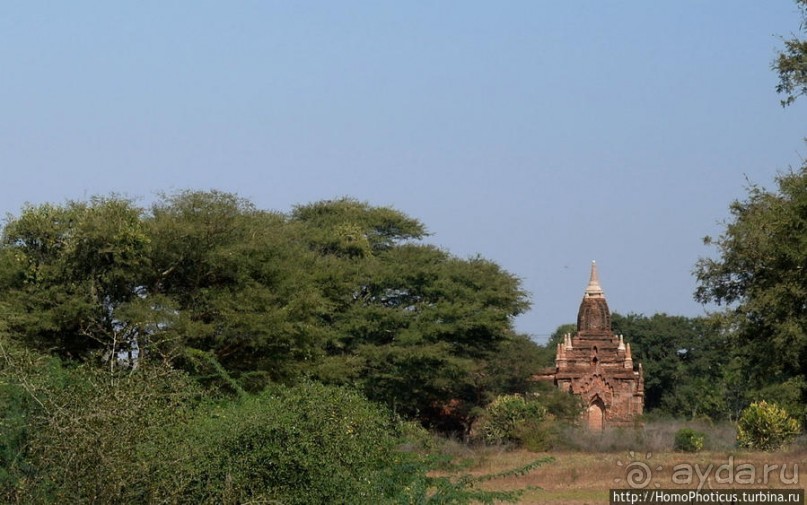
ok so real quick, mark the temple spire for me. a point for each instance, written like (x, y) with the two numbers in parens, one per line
(594, 289)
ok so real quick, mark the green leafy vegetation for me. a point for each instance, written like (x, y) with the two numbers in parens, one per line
(758, 277)
(508, 417)
(684, 360)
(531, 421)
(337, 290)
(308, 443)
(766, 426)
(689, 440)
(205, 351)
(84, 435)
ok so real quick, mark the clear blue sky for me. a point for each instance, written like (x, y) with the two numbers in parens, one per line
(538, 134)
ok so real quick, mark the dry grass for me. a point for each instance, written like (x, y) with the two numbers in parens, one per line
(577, 478)
(657, 436)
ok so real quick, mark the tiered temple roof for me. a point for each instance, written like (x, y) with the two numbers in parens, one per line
(598, 365)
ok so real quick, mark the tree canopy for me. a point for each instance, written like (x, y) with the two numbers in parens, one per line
(336, 290)
(203, 350)
(759, 275)
(791, 63)
(684, 361)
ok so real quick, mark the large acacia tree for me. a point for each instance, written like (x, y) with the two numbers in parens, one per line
(409, 323)
(242, 297)
(69, 273)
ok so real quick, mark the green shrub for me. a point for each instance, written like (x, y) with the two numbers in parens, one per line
(25, 378)
(310, 443)
(86, 446)
(766, 426)
(296, 445)
(560, 404)
(537, 436)
(689, 440)
(515, 419)
(151, 435)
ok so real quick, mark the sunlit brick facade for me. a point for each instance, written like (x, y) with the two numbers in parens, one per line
(597, 365)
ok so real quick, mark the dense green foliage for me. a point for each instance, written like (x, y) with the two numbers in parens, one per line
(82, 434)
(100, 435)
(69, 272)
(759, 276)
(531, 421)
(689, 440)
(181, 353)
(508, 416)
(509, 369)
(766, 426)
(306, 444)
(336, 290)
(684, 361)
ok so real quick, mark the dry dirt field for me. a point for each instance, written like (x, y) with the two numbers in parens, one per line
(577, 478)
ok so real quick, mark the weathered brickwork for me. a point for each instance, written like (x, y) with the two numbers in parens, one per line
(597, 365)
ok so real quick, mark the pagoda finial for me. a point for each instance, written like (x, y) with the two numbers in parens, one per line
(594, 289)
(628, 357)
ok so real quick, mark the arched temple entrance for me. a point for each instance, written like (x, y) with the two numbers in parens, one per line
(596, 415)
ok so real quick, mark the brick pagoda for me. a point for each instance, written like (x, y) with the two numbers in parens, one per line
(597, 365)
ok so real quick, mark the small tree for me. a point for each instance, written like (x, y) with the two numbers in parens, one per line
(766, 426)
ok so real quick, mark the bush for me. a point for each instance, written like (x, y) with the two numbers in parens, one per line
(766, 426)
(562, 405)
(515, 419)
(689, 440)
(86, 446)
(152, 435)
(297, 445)
(25, 378)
